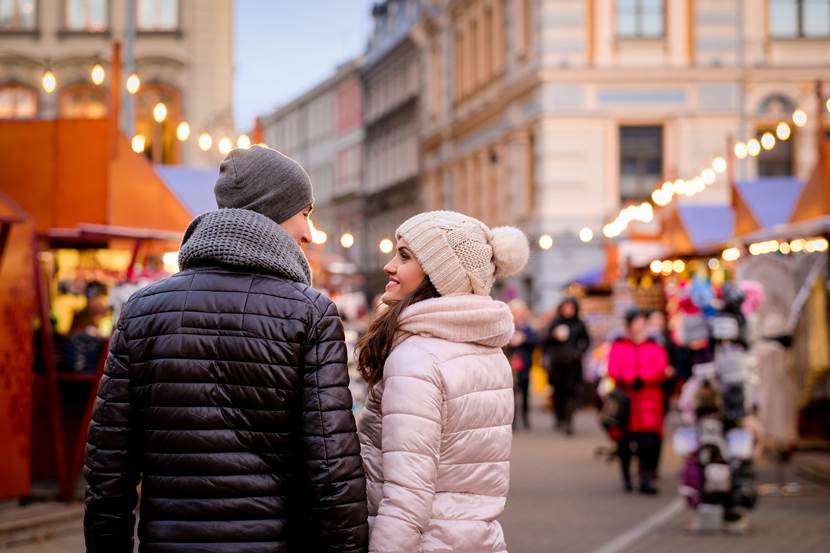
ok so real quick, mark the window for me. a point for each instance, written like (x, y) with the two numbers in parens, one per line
(641, 161)
(799, 18)
(524, 27)
(17, 102)
(158, 15)
(17, 15)
(83, 101)
(777, 162)
(88, 16)
(640, 18)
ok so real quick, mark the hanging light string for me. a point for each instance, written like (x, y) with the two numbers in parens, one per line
(669, 190)
(97, 75)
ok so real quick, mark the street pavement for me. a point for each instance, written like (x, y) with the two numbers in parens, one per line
(565, 500)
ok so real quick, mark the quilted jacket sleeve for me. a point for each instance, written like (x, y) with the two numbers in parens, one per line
(333, 465)
(111, 466)
(411, 438)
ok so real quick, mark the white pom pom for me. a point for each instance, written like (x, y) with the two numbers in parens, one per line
(510, 250)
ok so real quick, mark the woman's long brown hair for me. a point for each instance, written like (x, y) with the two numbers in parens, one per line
(374, 346)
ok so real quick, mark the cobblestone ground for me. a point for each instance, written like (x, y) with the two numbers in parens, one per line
(565, 500)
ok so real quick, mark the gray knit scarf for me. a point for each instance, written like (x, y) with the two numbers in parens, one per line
(245, 239)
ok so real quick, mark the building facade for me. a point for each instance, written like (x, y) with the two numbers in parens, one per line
(183, 58)
(553, 114)
(392, 89)
(323, 130)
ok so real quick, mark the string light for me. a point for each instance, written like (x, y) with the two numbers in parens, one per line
(133, 83)
(719, 164)
(49, 81)
(97, 74)
(225, 145)
(205, 142)
(138, 143)
(386, 245)
(679, 266)
(799, 118)
(586, 234)
(656, 266)
(827, 104)
(546, 241)
(731, 254)
(347, 240)
(753, 147)
(783, 131)
(740, 150)
(768, 141)
(183, 131)
(708, 176)
(244, 141)
(159, 112)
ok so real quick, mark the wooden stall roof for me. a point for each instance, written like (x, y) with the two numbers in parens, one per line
(814, 201)
(69, 172)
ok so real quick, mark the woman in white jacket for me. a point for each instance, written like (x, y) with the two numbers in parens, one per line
(436, 432)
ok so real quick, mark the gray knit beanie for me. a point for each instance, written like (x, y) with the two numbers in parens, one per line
(263, 180)
(461, 255)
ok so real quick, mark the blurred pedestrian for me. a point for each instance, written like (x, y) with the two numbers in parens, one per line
(441, 388)
(226, 390)
(520, 352)
(637, 364)
(565, 342)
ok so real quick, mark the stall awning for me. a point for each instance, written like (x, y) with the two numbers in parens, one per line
(707, 225)
(70, 172)
(765, 202)
(192, 185)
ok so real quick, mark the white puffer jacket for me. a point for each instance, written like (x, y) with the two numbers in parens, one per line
(436, 433)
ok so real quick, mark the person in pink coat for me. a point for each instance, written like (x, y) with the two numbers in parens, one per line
(436, 431)
(638, 365)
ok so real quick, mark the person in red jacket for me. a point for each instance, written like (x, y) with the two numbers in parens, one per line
(638, 365)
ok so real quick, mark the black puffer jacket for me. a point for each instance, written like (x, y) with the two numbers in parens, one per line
(226, 394)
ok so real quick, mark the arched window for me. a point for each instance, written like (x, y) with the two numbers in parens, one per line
(162, 146)
(780, 161)
(17, 102)
(83, 101)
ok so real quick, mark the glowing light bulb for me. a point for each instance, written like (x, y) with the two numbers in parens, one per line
(49, 81)
(768, 141)
(656, 266)
(753, 147)
(183, 131)
(97, 74)
(205, 142)
(741, 150)
(586, 234)
(133, 83)
(138, 143)
(225, 145)
(731, 254)
(708, 176)
(783, 131)
(546, 241)
(719, 164)
(678, 266)
(159, 112)
(799, 118)
(347, 240)
(244, 141)
(386, 245)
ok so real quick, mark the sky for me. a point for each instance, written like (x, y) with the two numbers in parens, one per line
(285, 47)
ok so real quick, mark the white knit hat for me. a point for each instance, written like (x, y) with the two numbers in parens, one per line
(461, 255)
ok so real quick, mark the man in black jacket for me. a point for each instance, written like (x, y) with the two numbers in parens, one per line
(226, 391)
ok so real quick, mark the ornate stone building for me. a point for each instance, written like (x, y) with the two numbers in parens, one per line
(183, 57)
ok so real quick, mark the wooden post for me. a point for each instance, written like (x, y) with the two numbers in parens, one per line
(115, 95)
